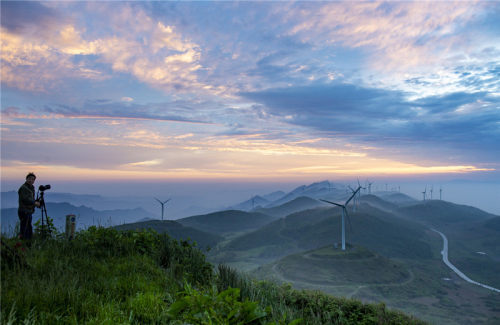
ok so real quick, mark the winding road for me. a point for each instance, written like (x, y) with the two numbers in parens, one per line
(444, 252)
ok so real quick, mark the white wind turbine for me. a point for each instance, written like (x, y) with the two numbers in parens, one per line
(162, 206)
(344, 213)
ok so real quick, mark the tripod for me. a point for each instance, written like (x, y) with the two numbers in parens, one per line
(45, 230)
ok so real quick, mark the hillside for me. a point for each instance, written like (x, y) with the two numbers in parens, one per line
(437, 213)
(329, 266)
(377, 230)
(379, 203)
(146, 278)
(475, 249)
(176, 231)
(226, 222)
(299, 204)
(397, 198)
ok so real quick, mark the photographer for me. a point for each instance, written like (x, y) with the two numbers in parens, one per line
(27, 204)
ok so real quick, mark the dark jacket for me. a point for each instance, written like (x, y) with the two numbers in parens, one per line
(27, 198)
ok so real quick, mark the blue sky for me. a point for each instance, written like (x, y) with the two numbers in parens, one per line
(251, 90)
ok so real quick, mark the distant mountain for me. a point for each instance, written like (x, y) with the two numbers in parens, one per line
(177, 231)
(378, 203)
(315, 190)
(299, 204)
(396, 198)
(85, 216)
(274, 196)
(252, 203)
(225, 222)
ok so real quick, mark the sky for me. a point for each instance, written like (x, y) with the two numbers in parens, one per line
(250, 91)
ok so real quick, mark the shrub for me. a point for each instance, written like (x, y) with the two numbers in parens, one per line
(196, 307)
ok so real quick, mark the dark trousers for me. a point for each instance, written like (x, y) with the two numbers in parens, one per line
(26, 231)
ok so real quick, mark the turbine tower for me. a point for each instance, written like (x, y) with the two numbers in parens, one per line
(440, 192)
(162, 206)
(370, 188)
(432, 189)
(344, 213)
(424, 192)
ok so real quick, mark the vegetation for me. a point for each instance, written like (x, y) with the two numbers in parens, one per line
(383, 232)
(106, 276)
(177, 231)
(227, 222)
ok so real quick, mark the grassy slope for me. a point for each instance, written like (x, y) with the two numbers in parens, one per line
(226, 222)
(469, 230)
(381, 231)
(296, 205)
(409, 285)
(177, 231)
(109, 277)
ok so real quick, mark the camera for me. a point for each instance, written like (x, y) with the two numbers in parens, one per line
(44, 187)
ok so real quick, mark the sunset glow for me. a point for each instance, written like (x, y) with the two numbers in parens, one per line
(267, 91)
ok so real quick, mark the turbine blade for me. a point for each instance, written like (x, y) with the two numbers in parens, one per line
(353, 195)
(340, 205)
(166, 201)
(158, 200)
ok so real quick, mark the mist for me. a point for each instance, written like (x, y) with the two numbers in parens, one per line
(209, 196)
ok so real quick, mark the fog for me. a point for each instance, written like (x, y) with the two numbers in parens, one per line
(208, 196)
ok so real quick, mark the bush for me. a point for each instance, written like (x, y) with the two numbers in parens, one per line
(209, 307)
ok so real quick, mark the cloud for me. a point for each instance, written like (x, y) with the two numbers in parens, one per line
(18, 16)
(405, 33)
(155, 53)
(117, 110)
(464, 123)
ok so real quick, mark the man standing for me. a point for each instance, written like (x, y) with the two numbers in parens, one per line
(27, 204)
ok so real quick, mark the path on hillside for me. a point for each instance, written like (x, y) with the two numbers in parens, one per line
(356, 287)
(444, 252)
(394, 284)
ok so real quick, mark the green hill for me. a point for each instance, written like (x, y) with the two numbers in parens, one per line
(437, 213)
(378, 203)
(296, 205)
(377, 230)
(105, 276)
(175, 230)
(227, 222)
(397, 198)
(474, 248)
(329, 266)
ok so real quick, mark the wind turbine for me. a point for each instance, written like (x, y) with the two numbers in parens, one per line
(424, 192)
(344, 213)
(162, 206)
(440, 192)
(370, 188)
(432, 189)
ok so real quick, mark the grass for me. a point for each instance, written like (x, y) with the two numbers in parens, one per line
(105, 276)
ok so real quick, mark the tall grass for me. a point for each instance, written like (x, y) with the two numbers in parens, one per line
(313, 307)
(104, 276)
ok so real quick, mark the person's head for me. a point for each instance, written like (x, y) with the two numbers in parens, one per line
(30, 178)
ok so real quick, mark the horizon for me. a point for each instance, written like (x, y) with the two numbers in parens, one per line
(270, 92)
(214, 196)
